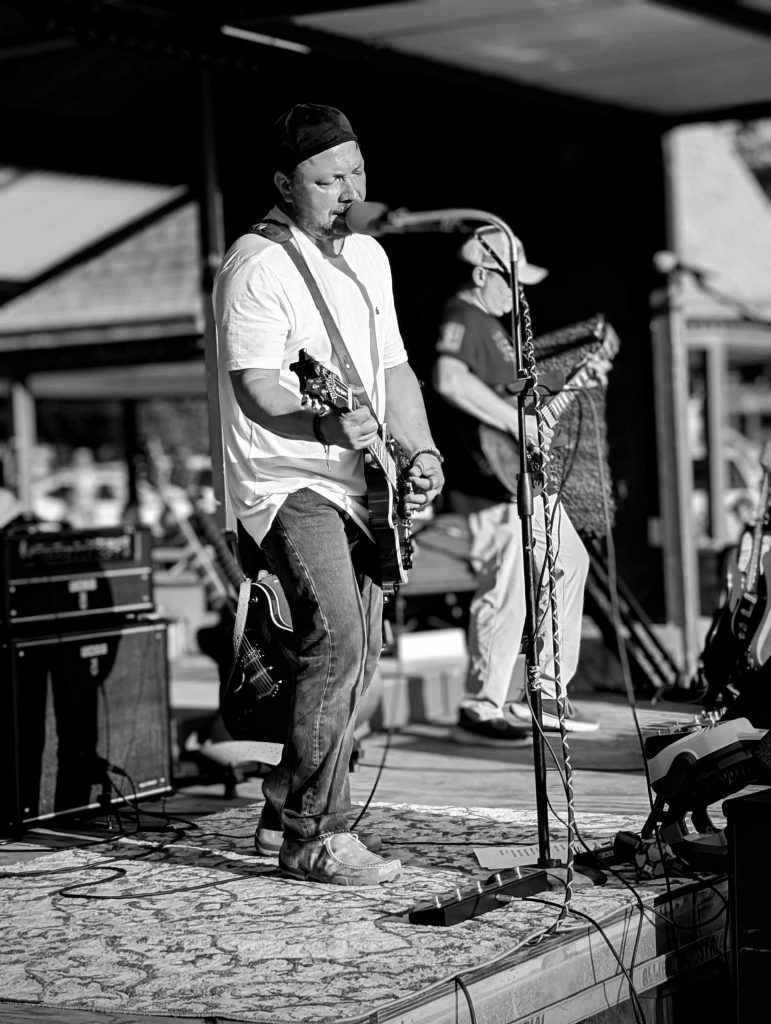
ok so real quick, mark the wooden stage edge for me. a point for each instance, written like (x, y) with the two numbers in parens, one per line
(582, 979)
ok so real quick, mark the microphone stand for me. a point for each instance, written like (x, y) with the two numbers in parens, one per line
(512, 883)
(448, 220)
(525, 512)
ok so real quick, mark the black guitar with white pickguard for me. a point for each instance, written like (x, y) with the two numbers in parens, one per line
(383, 473)
(255, 679)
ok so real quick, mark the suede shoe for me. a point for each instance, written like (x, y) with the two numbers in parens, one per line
(487, 732)
(575, 721)
(267, 841)
(339, 859)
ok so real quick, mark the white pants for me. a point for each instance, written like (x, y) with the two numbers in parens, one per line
(498, 609)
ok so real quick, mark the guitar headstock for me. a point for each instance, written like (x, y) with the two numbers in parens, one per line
(598, 362)
(610, 341)
(320, 384)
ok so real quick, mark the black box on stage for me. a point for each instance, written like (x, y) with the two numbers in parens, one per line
(69, 577)
(748, 831)
(70, 706)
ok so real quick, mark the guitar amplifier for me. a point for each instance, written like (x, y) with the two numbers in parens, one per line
(68, 576)
(84, 720)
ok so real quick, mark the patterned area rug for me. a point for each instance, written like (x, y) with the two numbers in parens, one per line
(201, 926)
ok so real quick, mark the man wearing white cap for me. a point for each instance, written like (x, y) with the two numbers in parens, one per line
(474, 373)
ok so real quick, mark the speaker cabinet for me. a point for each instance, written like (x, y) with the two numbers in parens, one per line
(72, 705)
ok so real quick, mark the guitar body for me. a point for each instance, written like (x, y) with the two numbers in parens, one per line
(503, 457)
(390, 530)
(256, 690)
(255, 681)
(722, 662)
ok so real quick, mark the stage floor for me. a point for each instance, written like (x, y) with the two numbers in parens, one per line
(195, 925)
(192, 926)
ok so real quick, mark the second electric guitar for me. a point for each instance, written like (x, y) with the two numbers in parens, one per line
(383, 476)
(502, 451)
(255, 680)
(737, 643)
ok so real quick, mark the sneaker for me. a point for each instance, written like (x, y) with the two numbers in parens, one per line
(340, 859)
(489, 732)
(575, 721)
(268, 841)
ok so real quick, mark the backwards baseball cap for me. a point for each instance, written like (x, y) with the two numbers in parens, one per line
(476, 250)
(307, 129)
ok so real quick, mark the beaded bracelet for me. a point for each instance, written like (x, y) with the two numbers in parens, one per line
(426, 451)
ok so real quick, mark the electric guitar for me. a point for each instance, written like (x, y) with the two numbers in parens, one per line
(501, 449)
(383, 473)
(738, 641)
(255, 680)
(254, 691)
(745, 615)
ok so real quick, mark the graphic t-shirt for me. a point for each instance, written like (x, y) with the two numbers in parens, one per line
(479, 340)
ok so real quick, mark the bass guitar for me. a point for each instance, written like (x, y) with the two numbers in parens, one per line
(383, 473)
(738, 641)
(501, 450)
(255, 678)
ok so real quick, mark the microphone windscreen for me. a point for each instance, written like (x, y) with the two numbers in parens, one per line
(366, 218)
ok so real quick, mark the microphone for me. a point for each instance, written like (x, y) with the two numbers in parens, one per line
(376, 219)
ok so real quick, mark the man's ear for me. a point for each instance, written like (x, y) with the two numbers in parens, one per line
(283, 184)
(478, 275)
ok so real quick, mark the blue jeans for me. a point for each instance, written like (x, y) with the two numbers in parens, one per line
(329, 572)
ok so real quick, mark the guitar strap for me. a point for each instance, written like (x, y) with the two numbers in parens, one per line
(280, 233)
(244, 596)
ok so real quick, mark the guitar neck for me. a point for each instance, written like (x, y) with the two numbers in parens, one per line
(753, 566)
(379, 451)
(560, 402)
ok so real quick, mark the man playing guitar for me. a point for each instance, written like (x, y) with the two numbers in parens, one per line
(473, 373)
(295, 473)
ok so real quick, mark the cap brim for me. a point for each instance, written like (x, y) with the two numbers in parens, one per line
(528, 273)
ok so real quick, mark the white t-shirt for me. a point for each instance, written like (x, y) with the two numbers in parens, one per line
(264, 315)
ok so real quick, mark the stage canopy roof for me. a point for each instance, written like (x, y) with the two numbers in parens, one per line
(671, 59)
(677, 60)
